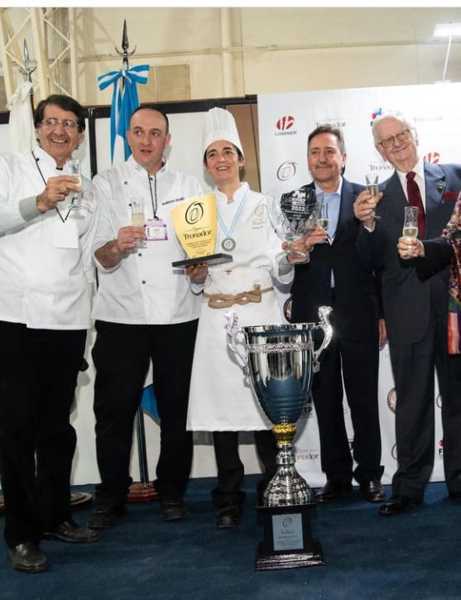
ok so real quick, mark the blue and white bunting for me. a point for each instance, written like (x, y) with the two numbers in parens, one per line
(124, 101)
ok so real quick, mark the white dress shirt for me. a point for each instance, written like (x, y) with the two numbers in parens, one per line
(45, 264)
(419, 178)
(143, 288)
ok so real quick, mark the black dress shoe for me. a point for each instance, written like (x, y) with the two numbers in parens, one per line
(172, 510)
(397, 505)
(68, 531)
(333, 490)
(28, 557)
(372, 491)
(104, 516)
(228, 517)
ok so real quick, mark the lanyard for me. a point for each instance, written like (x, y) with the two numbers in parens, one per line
(152, 198)
(63, 219)
(229, 230)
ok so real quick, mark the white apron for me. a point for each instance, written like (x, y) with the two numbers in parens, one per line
(220, 399)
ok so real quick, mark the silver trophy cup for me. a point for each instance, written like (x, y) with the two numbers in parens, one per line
(280, 361)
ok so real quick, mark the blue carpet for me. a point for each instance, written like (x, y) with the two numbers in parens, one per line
(411, 557)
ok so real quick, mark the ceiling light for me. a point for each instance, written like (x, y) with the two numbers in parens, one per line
(447, 30)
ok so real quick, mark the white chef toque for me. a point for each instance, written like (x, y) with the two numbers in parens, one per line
(220, 125)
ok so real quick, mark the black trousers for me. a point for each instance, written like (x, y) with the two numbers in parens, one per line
(357, 363)
(413, 368)
(230, 467)
(121, 356)
(38, 375)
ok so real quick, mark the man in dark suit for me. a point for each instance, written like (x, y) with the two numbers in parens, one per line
(335, 276)
(415, 310)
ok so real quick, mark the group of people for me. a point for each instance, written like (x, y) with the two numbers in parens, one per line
(54, 232)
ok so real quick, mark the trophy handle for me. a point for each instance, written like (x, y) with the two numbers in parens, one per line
(236, 340)
(326, 327)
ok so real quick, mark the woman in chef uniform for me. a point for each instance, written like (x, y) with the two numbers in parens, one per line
(221, 401)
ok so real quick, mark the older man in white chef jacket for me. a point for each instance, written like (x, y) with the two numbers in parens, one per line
(45, 298)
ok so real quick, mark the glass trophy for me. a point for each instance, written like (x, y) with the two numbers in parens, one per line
(298, 216)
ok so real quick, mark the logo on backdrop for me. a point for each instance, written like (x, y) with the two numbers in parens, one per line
(438, 400)
(286, 170)
(285, 123)
(307, 454)
(374, 115)
(392, 400)
(380, 165)
(334, 122)
(306, 410)
(287, 306)
(432, 157)
(394, 451)
(284, 126)
(440, 448)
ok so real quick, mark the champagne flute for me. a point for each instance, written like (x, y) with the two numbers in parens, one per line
(323, 217)
(137, 216)
(322, 214)
(372, 182)
(410, 222)
(75, 171)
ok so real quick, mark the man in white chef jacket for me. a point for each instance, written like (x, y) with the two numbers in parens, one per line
(45, 298)
(145, 312)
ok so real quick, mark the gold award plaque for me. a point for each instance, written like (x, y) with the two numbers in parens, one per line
(195, 223)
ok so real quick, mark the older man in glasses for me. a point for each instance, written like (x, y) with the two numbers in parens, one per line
(415, 310)
(45, 298)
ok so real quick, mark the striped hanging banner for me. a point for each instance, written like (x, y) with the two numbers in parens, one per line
(124, 101)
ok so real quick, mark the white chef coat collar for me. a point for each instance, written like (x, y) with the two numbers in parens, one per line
(238, 194)
(137, 168)
(41, 155)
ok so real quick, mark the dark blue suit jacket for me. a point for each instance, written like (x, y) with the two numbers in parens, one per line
(356, 304)
(408, 302)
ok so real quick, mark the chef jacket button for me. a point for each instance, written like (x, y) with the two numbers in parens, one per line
(143, 281)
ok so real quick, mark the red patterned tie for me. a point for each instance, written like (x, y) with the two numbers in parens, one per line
(414, 199)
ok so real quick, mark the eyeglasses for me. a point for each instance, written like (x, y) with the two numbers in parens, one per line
(51, 123)
(392, 140)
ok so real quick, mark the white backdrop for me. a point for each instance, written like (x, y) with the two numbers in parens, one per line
(285, 121)
(283, 152)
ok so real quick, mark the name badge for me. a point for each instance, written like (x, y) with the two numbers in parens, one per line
(65, 235)
(156, 230)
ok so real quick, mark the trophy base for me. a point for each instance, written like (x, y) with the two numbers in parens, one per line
(290, 560)
(287, 541)
(142, 492)
(211, 259)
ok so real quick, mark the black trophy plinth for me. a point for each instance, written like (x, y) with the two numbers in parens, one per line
(287, 541)
(210, 259)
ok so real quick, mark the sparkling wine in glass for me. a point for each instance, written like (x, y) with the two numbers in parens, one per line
(138, 218)
(410, 222)
(372, 183)
(322, 220)
(75, 171)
